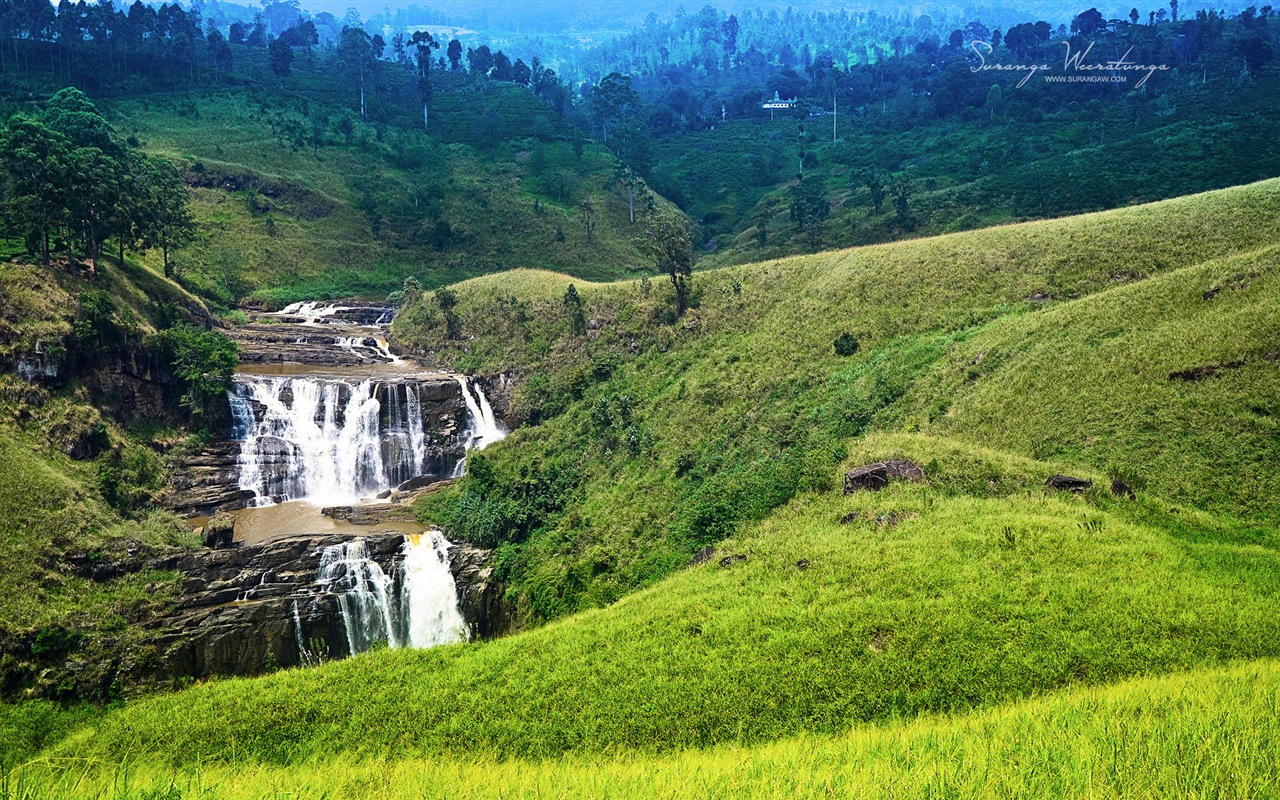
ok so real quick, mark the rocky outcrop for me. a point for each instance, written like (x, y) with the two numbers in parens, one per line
(243, 610)
(132, 384)
(874, 477)
(481, 597)
(206, 482)
(1067, 483)
(344, 337)
(246, 610)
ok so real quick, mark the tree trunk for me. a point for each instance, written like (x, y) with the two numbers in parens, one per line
(164, 248)
(363, 118)
(424, 117)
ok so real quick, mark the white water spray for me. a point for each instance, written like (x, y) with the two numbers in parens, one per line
(429, 598)
(418, 608)
(364, 593)
(327, 441)
(483, 427)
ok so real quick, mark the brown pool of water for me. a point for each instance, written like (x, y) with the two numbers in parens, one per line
(382, 371)
(297, 517)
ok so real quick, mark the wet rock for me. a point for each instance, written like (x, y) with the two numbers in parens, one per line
(874, 477)
(220, 530)
(481, 598)
(1066, 483)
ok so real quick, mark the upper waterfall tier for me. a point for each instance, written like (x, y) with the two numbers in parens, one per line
(309, 335)
(336, 442)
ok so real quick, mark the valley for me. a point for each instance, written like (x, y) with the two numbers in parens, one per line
(419, 406)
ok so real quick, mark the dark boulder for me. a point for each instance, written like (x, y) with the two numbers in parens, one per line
(729, 561)
(1066, 483)
(1121, 489)
(702, 556)
(874, 477)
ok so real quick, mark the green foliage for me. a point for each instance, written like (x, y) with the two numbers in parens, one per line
(670, 246)
(203, 360)
(68, 175)
(573, 306)
(739, 385)
(809, 208)
(497, 507)
(846, 344)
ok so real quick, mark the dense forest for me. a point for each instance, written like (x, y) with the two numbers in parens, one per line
(889, 126)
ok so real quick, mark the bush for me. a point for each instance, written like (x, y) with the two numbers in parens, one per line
(202, 361)
(845, 344)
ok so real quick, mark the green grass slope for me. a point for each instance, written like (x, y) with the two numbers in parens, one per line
(1210, 733)
(653, 439)
(967, 590)
(56, 509)
(1171, 383)
(292, 207)
(933, 623)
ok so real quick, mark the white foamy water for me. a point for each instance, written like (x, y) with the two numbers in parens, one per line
(328, 441)
(418, 607)
(483, 427)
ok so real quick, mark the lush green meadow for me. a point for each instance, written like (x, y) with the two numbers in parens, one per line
(1208, 733)
(654, 439)
(972, 633)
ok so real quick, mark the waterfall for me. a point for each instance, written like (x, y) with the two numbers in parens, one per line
(364, 594)
(326, 440)
(429, 599)
(311, 313)
(418, 608)
(483, 427)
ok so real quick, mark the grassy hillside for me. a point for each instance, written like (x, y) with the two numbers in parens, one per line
(76, 481)
(833, 642)
(653, 439)
(1172, 382)
(981, 589)
(299, 199)
(1211, 732)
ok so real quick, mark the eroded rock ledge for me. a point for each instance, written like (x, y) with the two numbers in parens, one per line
(240, 611)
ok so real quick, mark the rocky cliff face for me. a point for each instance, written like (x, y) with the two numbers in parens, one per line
(244, 610)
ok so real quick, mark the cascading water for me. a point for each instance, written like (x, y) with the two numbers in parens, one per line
(416, 608)
(483, 427)
(429, 596)
(365, 594)
(328, 441)
(336, 441)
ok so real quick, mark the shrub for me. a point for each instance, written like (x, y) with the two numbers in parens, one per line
(845, 344)
(202, 362)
